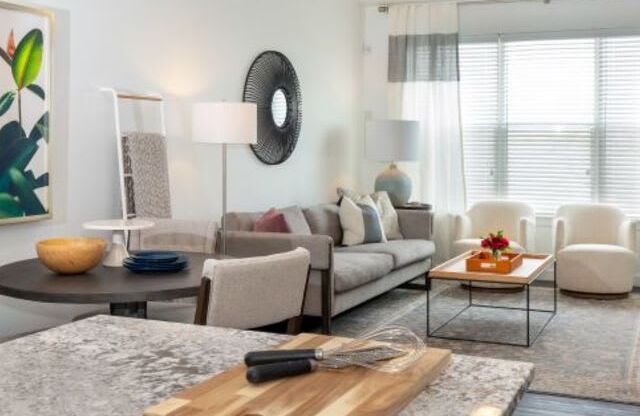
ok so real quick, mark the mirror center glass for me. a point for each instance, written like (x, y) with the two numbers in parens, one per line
(279, 107)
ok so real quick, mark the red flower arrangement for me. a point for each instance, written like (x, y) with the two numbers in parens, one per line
(497, 243)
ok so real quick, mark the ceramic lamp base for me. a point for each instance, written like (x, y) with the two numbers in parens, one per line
(396, 183)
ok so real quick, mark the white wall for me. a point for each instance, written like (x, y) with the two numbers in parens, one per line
(489, 18)
(189, 50)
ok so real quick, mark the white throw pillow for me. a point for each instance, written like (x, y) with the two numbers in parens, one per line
(360, 222)
(388, 214)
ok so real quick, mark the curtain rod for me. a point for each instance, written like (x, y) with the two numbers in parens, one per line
(384, 8)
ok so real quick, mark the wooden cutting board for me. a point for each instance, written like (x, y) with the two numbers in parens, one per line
(349, 391)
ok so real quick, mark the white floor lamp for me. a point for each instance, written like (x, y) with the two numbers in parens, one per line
(225, 123)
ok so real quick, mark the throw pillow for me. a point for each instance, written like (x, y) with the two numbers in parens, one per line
(272, 221)
(388, 214)
(296, 220)
(360, 222)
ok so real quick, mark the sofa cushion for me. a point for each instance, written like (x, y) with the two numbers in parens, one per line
(356, 269)
(296, 220)
(245, 221)
(404, 252)
(324, 219)
(241, 221)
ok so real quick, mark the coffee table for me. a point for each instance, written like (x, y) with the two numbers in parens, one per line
(533, 265)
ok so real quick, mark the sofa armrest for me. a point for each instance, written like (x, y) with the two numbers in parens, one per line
(559, 235)
(627, 235)
(252, 243)
(416, 224)
(527, 233)
(461, 227)
(196, 236)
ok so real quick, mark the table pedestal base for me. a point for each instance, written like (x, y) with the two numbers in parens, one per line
(117, 252)
(129, 309)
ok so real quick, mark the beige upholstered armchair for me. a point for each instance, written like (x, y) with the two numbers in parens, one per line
(194, 236)
(516, 219)
(595, 250)
(254, 292)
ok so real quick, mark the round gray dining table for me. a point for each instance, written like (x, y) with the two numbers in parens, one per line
(127, 293)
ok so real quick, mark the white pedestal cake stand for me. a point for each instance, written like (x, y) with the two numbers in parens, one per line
(118, 251)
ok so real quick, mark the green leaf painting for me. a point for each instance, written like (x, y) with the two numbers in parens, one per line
(36, 89)
(24, 191)
(9, 206)
(28, 59)
(23, 183)
(41, 129)
(6, 100)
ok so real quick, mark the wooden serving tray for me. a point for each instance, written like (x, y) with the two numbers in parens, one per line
(482, 261)
(350, 391)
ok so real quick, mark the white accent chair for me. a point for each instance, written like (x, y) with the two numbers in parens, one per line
(516, 219)
(595, 248)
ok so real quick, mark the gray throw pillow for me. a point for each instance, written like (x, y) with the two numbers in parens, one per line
(294, 217)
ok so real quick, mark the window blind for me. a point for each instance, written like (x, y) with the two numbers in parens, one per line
(479, 94)
(552, 121)
(618, 135)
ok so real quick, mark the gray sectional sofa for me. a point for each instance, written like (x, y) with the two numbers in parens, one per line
(341, 277)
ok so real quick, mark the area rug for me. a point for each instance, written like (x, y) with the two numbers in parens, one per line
(590, 349)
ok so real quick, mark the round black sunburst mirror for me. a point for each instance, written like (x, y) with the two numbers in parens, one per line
(273, 85)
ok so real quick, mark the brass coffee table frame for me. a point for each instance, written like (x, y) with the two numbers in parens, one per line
(533, 267)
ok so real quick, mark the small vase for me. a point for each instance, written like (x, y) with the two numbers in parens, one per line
(497, 255)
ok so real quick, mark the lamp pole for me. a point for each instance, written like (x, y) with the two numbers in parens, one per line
(223, 247)
(224, 123)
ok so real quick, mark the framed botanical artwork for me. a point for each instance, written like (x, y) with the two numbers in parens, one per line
(25, 83)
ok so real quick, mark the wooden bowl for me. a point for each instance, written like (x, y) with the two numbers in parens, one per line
(74, 255)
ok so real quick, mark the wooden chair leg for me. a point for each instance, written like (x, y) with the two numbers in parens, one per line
(294, 325)
(202, 308)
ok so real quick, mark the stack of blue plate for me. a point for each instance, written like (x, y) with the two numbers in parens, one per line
(156, 262)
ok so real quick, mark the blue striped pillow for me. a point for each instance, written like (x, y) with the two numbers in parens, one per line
(360, 222)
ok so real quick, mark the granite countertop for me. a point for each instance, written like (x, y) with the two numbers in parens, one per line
(119, 366)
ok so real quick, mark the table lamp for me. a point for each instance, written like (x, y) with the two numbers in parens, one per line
(225, 123)
(392, 141)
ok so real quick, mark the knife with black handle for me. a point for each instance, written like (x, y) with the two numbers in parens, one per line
(266, 372)
(275, 356)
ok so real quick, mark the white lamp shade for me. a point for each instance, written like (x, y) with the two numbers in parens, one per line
(230, 123)
(392, 140)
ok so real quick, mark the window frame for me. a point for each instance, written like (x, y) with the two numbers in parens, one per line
(597, 133)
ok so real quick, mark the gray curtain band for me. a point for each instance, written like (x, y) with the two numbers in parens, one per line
(432, 57)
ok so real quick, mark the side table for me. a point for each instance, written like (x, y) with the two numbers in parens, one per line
(118, 250)
(420, 206)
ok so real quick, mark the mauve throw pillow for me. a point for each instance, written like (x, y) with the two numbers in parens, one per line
(272, 221)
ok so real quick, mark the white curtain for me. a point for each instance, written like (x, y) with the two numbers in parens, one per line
(423, 85)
